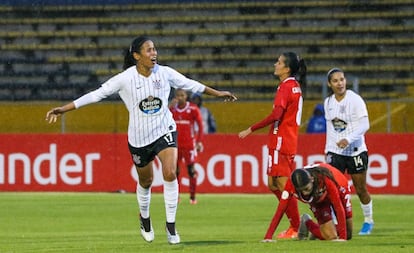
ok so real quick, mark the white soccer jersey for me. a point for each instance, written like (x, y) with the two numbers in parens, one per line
(146, 99)
(343, 121)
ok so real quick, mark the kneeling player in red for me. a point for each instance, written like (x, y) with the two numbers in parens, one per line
(328, 193)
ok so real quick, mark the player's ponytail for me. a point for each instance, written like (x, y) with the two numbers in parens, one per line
(297, 68)
(135, 46)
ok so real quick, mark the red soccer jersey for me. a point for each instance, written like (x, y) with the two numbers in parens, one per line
(186, 118)
(336, 196)
(285, 118)
(333, 195)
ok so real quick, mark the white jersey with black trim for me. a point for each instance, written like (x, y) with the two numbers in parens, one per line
(146, 99)
(343, 120)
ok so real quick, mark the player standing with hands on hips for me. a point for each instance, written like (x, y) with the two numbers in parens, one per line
(284, 122)
(346, 124)
(144, 86)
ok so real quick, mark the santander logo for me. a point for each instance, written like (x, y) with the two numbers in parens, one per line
(47, 168)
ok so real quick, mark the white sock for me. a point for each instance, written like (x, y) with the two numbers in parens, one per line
(144, 199)
(171, 199)
(367, 212)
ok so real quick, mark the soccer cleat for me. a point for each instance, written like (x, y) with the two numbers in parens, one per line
(193, 201)
(147, 231)
(303, 231)
(290, 233)
(366, 228)
(172, 238)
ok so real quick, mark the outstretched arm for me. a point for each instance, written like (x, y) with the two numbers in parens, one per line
(52, 115)
(227, 95)
(274, 116)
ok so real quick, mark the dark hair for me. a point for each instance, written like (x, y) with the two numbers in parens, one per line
(297, 68)
(303, 176)
(300, 178)
(315, 171)
(331, 71)
(134, 47)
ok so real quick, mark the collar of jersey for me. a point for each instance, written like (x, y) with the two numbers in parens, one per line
(155, 69)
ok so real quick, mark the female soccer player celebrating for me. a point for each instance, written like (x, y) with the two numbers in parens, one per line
(144, 86)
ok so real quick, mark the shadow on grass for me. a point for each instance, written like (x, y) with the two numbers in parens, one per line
(208, 243)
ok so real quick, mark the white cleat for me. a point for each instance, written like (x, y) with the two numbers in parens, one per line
(173, 239)
(147, 235)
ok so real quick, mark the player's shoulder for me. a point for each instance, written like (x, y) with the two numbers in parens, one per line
(193, 106)
(289, 82)
(290, 85)
(354, 97)
(352, 94)
(164, 69)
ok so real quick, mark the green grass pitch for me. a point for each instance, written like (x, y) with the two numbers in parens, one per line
(219, 223)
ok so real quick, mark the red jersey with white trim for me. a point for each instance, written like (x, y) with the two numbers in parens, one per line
(284, 126)
(186, 118)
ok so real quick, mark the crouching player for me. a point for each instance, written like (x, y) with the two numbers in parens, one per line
(328, 193)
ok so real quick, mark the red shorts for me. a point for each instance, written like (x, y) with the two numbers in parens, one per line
(187, 156)
(323, 211)
(279, 164)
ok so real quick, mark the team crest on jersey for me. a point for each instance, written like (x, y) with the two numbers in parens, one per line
(157, 84)
(150, 105)
(339, 125)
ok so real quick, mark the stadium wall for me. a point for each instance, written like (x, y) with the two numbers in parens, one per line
(28, 117)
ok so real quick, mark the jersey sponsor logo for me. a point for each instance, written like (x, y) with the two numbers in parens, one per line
(339, 125)
(150, 105)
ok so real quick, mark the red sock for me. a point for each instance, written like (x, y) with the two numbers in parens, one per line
(193, 185)
(314, 229)
(292, 211)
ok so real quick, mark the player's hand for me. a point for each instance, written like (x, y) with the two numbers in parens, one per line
(52, 115)
(199, 147)
(342, 143)
(228, 96)
(338, 240)
(268, 240)
(244, 133)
